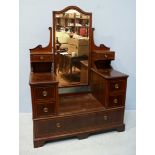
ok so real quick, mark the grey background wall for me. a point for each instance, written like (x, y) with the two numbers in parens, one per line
(115, 24)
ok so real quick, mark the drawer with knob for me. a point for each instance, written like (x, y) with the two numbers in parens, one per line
(41, 57)
(44, 93)
(117, 85)
(103, 55)
(108, 56)
(116, 100)
(44, 109)
(75, 123)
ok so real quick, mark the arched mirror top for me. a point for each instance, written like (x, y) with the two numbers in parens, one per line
(73, 8)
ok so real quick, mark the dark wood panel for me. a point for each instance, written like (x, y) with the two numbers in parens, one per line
(41, 67)
(98, 87)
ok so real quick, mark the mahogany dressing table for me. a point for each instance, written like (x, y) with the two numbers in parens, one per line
(80, 100)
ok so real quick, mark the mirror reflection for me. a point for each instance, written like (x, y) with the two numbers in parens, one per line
(72, 47)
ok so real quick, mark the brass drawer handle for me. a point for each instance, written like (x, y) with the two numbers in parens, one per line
(105, 117)
(115, 100)
(45, 109)
(116, 86)
(44, 93)
(41, 57)
(58, 125)
(106, 56)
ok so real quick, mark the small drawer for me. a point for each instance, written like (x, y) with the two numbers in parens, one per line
(41, 58)
(117, 85)
(109, 117)
(45, 93)
(108, 56)
(116, 100)
(44, 109)
(103, 56)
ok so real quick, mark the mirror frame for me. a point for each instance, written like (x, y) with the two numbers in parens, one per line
(90, 40)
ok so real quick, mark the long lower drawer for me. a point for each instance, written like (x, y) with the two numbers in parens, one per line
(67, 124)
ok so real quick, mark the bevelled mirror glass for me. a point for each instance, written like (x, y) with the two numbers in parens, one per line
(72, 46)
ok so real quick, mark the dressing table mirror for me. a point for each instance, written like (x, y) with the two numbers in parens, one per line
(75, 91)
(71, 43)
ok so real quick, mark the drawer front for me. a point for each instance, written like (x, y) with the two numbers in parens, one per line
(41, 58)
(116, 100)
(117, 85)
(44, 109)
(103, 56)
(45, 93)
(77, 123)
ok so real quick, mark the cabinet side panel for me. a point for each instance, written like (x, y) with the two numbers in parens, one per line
(98, 87)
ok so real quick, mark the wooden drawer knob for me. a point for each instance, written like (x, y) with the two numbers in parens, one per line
(44, 93)
(116, 86)
(105, 117)
(58, 125)
(115, 100)
(41, 57)
(106, 56)
(45, 109)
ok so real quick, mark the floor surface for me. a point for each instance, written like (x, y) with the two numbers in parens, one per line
(109, 143)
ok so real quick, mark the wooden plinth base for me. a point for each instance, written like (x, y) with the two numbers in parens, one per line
(38, 143)
(121, 128)
(80, 136)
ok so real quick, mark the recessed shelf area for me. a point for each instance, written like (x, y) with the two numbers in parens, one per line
(75, 103)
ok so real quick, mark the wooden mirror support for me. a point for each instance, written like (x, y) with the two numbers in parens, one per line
(59, 114)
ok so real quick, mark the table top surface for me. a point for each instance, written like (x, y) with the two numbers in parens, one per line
(110, 73)
(42, 78)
